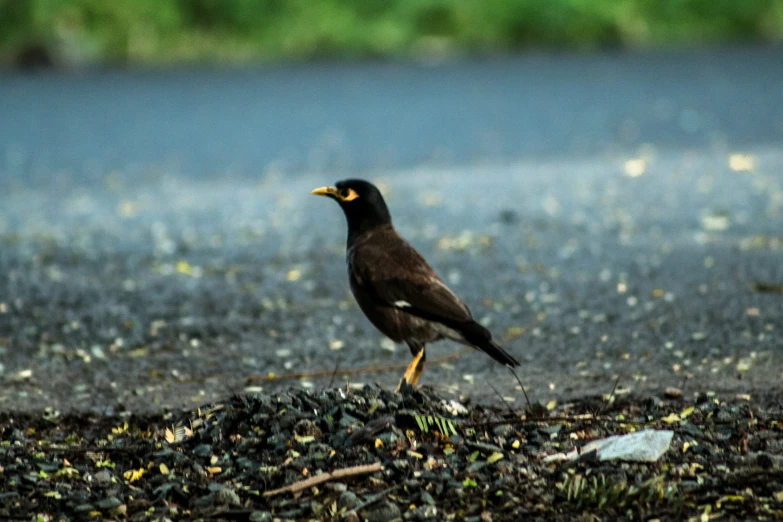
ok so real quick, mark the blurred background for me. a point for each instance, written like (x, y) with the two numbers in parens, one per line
(165, 32)
(598, 179)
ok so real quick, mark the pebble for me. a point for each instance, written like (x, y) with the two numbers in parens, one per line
(425, 512)
(383, 511)
(504, 430)
(205, 501)
(202, 450)
(347, 500)
(641, 446)
(227, 497)
(109, 503)
(351, 516)
(724, 415)
(673, 393)
(103, 478)
(260, 516)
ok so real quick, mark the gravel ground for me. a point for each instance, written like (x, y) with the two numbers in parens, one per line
(409, 456)
(176, 292)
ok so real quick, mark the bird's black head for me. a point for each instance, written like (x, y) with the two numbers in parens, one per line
(362, 203)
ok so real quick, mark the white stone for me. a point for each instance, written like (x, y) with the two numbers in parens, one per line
(642, 446)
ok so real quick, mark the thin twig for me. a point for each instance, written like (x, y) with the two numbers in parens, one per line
(527, 400)
(336, 369)
(608, 401)
(502, 400)
(325, 477)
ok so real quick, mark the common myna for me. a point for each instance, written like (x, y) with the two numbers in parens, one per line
(396, 288)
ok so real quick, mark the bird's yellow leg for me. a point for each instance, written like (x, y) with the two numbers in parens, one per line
(419, 367)
(416, 364)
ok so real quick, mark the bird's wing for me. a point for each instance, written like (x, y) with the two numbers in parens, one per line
(395, 274)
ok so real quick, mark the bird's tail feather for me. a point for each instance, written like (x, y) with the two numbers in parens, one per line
(480, 337)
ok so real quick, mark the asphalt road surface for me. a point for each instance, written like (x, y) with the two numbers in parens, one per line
(615, 218)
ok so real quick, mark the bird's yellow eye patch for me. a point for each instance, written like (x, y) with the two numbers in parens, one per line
(346, 194)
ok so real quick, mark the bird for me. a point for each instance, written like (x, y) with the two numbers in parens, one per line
(395, 287)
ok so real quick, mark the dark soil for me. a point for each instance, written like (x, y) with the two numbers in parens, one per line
(438, 461)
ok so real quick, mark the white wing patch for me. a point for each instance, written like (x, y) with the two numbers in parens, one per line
(402, 304)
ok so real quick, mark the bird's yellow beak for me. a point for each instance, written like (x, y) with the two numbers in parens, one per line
(332, 192)
(325, 191)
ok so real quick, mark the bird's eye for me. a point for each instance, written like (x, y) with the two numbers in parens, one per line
(348, 194)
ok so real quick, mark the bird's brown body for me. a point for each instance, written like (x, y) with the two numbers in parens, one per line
(399, 271)
(396, 288)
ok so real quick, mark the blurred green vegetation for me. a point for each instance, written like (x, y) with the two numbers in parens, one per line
(166, 31)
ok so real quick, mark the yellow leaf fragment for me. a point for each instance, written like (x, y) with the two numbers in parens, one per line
(671, 418)
(183, 267)
(496, 456)
(134, 474)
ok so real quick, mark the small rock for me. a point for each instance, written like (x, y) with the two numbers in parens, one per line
(285, 399)
(692, 430)
(81, 508)
(388, 438)
(426, 498)
(227, 497)
(109, 503)
(202, 450)
(673, 393)
(453, 407)
(260, 516)
(642, 446)
(205, 501)
(425, 512)
(504, 430)
(724, 415)
(316, 508)
(382, 512)
(347, 500)
(339, 487)
(103, 478)
(351, 516)
(550, 430)
(767, 461)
